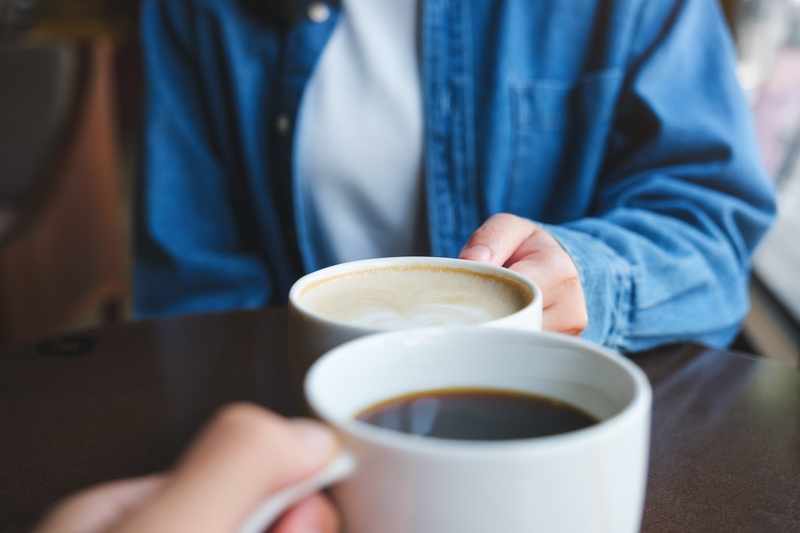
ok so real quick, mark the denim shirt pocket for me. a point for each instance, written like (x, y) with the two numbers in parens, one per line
(560, 130)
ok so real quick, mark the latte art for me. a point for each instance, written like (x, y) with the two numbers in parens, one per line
(413, 311)
(414, 296)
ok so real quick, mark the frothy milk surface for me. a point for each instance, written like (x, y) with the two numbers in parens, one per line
(401, 297)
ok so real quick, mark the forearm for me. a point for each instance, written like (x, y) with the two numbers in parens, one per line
(682, 199)
(651, 280)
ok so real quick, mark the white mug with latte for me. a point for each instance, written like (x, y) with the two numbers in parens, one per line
(349, 300)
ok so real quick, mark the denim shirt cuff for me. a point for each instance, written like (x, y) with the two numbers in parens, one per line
(607, 283)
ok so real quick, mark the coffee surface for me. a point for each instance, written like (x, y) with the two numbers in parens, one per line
(477, 414)
(414, 296)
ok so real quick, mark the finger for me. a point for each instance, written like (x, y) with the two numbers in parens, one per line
(497, 239)
(100, 508)
(315, 513)
(244, 454)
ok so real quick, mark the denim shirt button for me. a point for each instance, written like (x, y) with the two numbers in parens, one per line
(318, 12)
(283, 123)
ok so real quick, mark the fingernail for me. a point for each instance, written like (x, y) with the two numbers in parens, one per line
(317, 438)
(477, 253)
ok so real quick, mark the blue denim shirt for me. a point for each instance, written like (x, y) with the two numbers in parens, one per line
(617, 124)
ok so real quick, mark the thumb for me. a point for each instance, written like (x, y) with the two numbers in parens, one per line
(497, 239)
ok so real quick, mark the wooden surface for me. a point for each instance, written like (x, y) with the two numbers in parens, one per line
(124, 400)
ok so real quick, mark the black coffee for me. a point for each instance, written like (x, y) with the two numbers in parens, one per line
(476, 414)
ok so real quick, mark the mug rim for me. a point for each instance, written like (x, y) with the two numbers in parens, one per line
(641, 399)
(381, 262)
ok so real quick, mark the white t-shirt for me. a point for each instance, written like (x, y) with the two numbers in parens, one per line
(360, 136)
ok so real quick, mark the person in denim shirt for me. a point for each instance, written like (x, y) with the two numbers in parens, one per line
(601, 147)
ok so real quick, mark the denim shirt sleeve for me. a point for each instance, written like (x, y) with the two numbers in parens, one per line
(682, 200)
(190, 254)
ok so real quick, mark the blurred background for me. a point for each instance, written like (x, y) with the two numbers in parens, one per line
(70, 108)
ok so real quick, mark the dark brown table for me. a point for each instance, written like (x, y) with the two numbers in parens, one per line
(123, 401)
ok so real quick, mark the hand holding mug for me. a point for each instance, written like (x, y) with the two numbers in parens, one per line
(589, 478)
(525, 247)
(244, 454)
(350, 300)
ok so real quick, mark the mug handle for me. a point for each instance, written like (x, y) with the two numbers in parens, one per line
(271, 508)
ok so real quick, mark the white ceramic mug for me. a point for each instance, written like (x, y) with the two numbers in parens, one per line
(312, 333)
(588, 480)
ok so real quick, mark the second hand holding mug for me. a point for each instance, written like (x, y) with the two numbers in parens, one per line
(589, 480)
(350, 300)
